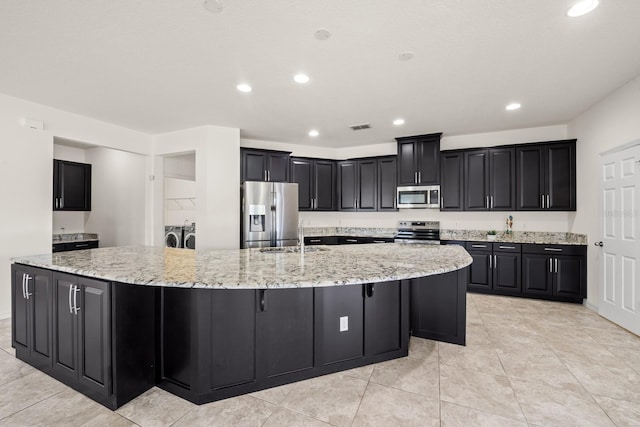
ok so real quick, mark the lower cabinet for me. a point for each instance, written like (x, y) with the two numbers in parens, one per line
(32, 320)
(496, 267)
(554, 271)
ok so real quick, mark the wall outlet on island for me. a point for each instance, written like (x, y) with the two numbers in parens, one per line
(344, 323)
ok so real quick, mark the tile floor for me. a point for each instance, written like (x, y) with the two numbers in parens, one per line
(527, 362)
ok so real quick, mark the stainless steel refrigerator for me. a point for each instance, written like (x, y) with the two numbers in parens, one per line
(269, 214)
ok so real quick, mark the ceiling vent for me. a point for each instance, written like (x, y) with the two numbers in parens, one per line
(360, 127)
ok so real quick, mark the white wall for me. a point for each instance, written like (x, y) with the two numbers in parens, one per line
(217, 151)
(26, 171)
(180, 200)
(612, 122)
(118, 197)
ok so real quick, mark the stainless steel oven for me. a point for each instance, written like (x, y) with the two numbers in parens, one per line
(425, 196)
(424, 232)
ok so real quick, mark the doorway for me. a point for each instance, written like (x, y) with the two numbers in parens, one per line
(619, 218)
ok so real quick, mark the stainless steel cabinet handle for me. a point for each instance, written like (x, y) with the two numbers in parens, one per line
(490, 262)
(61, 203)
(75, 299)
(550, 265)
(419, 177)
(553, 249)
(548, 204)
(486, 202)
(315, 240)
(81, 245)
(542, 200)
(26, 286)
(24, 294)
(70, 306)
(478, 246)
(507, 247)
(379, 241)
(269, 175)
(351, 240)
(495, 261)
(491, 202)
(556, 265)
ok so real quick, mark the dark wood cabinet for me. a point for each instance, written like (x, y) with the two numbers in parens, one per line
(489, 176)
(71, 186)
(357, 321)
(32, 325)
(264, 165)
(419, 160)
(74, 246)
(495, 267)
(82, 339)
(316, 179)
(546, 176)
(557, 271)
(284, 323)
(347, 185)
(452, 181)
(357, 183)
(387, 183)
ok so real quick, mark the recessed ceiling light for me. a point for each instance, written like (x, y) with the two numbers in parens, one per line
(582, 8)
(301, 78)
(322, 34)
(513, 106)
(313, 133)
(405, 56)
(213, 6)
(243, 87)
(398, 122)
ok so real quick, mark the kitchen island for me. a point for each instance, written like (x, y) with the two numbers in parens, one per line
(207, 325)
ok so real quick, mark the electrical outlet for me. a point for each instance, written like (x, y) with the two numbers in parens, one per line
(344, 323)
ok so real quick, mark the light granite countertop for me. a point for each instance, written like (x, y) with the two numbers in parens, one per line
(252, 269)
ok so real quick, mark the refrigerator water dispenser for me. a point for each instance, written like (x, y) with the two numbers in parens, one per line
(257, 215)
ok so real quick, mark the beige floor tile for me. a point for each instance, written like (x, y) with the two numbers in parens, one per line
(423, 349)
(363, 372)
(453, 415)
(285, 417)
(618, 337)
(631, 356)
(26, 391)
(12, 368)
(618, 383)
(539, 366)
(155, 407)
(547, 405)
(274, 395)
(409, 374)
(236, 411)
(485, 392)
(587, 351)
(66, 408)
(478, 334)
(331, 398)
(479, 357)
(622, 412)
(385, 406)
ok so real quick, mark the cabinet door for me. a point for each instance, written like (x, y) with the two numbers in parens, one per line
(284, 322)
(381, 317)
(72, 186)
(537, 274)
(347, 180)
(40, 291)
(254, 165)
(530, 178)
(278, 167)
(476, 181)
(429, 162)
(502, 173)
(407, 162)
(387, 175)
(451, 182)
(19, 311)
(325, 185)
(568, 275)
(339, 323)
(367, 184)
(65, 327)
(506, 272)
(94, 328)
(480, 273)
(302, 174)
(561, 176)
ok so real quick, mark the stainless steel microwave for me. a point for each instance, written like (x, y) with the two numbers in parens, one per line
(424, 196)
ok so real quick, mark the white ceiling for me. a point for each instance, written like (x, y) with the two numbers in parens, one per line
(163, 65)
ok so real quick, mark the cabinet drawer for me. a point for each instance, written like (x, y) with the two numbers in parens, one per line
(81, 245)
(58, 247)
(324, 240)
(379, 240)
(507, 247)
(554, 249)
(348, 240)
(478, 246)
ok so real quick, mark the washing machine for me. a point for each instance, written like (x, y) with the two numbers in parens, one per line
(173, 236)
(189, 236)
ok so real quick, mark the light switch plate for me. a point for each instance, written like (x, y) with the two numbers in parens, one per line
(344, 323)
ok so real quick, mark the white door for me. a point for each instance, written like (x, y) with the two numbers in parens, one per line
(620, 221)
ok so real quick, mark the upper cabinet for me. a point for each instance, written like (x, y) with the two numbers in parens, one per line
(264, 165)
(452, 181)
(316, 179)
(71, 186)
(546, 176)
(419, 159)
(387, 174)
(367, 184)
(489, 179)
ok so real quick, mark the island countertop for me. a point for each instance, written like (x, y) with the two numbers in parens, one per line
(255, 269)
